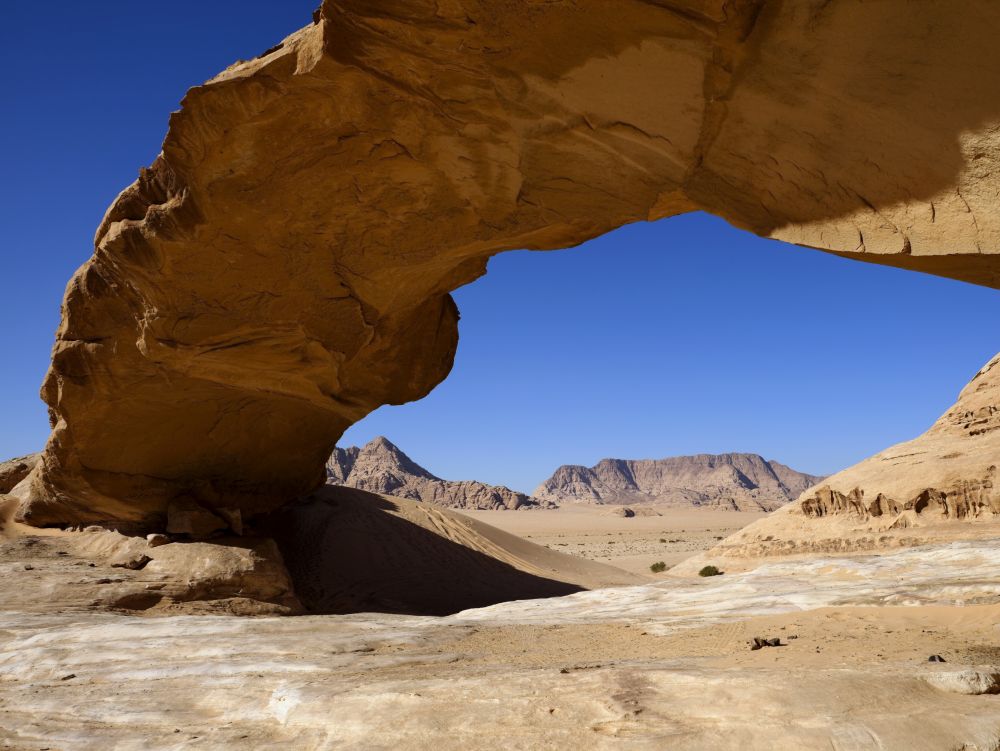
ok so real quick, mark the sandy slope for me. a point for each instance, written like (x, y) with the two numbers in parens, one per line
(350, 550)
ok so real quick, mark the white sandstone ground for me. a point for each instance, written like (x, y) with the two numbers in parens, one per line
(664, 665)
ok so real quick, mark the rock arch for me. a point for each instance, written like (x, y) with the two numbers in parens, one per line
(284, 266)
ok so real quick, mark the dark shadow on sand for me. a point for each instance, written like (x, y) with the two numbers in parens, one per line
(347, 554)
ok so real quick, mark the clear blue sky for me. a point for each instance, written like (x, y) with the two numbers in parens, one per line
(678, 337)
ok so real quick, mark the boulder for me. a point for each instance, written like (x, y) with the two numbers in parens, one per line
(972, 681)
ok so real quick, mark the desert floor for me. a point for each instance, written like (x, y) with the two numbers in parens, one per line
(665, 663)
(633, 544)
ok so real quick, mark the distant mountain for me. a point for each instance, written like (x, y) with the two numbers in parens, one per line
(381, 467)
(743, 482)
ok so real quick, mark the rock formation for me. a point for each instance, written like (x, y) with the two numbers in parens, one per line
(917, 491)
(14, 470)
(741, 482)
(380, 467)
(284, 266)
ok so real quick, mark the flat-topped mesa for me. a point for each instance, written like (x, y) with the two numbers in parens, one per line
(740, 482)
(283, 268)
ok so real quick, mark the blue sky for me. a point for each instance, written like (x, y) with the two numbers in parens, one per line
(682, 336)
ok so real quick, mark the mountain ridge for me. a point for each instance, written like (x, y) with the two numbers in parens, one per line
(382, 467)
(736, 480)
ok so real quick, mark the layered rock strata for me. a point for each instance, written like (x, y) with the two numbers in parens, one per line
(284, 266)
(941, 485)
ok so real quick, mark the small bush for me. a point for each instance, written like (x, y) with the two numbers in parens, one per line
(709, 571)
(658, 567)
(662, 539)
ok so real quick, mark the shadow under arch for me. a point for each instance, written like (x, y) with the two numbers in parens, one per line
(349, 551)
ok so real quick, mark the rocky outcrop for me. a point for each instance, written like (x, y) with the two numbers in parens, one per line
(380, 467)
(97, 569)
(346, 550)
(284, 266)
(915, 492)
(13, 471)
(741, 482)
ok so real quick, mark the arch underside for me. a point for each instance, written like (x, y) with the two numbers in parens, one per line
(284, 267)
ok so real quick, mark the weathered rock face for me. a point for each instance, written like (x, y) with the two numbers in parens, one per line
(380, 467)
(949, 472)
(911, 493)
(14, 470)
(744, 482)
(283, 267)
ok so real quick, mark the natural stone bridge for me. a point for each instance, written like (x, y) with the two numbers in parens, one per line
(284, 267)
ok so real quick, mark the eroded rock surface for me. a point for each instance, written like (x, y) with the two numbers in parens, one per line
(14, 470)
(283, 267)
(95, 569)
(381, 467)
(741, 482)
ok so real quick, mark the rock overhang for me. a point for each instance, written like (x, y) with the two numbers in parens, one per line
(284, 267)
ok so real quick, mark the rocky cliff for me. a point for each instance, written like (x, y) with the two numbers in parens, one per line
(941, 485)
(744, 482)
(284, 266)
(380, 467)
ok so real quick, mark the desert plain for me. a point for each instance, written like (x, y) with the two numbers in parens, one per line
(600, 533)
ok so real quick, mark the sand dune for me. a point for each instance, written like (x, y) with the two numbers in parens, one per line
(349, 550)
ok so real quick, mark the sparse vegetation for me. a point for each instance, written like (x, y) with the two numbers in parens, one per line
(662, 539)
(658, 567)
(709, 571)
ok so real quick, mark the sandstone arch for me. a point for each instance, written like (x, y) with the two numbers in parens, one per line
(284, 266)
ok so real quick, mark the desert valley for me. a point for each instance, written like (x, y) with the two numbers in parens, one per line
(197, 558)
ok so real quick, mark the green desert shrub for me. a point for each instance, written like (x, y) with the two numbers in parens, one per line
(709, 571)
(658, 567)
